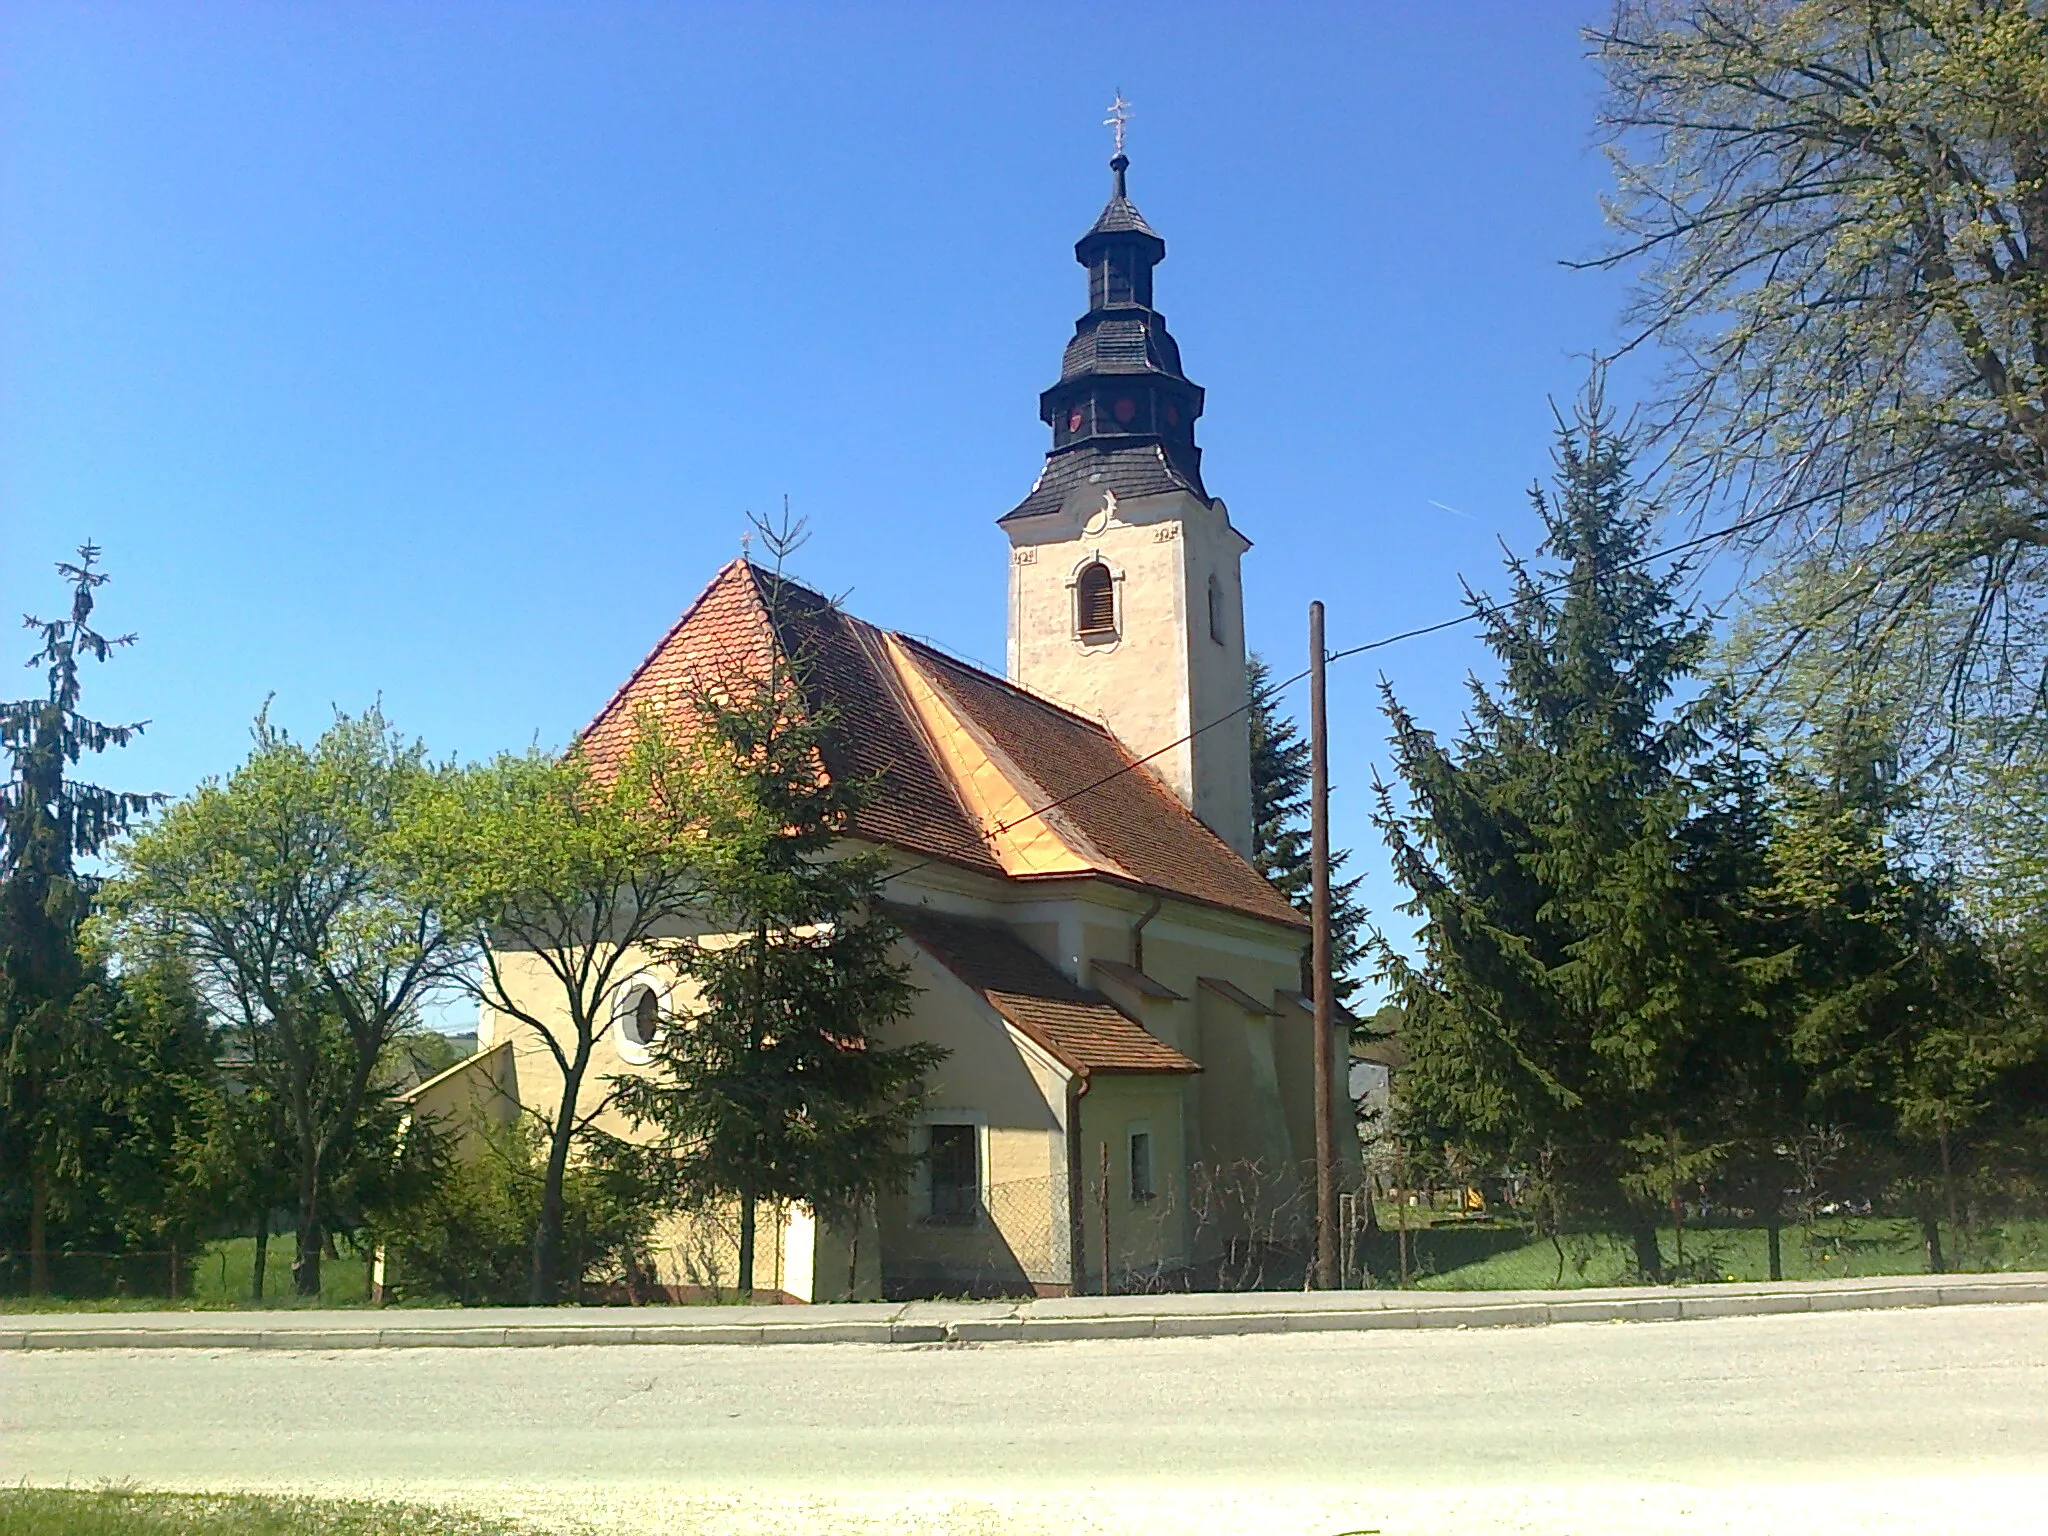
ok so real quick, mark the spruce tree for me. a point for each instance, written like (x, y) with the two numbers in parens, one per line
(1280, 829)
(774, 1085)
(52, 1070)
(1574, 987)
(1912, 1044)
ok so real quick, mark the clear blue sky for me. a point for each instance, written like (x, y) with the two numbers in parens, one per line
(436, 352)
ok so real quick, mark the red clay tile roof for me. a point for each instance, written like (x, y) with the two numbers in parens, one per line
(1123, 810)
(1082, 1029)
(914, 807)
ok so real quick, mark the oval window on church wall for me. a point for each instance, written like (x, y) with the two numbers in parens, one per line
(1095, 602)
(1126, 410)
(636, 1021)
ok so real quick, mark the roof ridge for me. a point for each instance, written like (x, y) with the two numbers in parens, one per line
(1041, 804)
(1134, 767)
(873, 642)
(1005, 683)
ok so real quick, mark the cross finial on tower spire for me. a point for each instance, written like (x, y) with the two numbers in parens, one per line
(1119, 115)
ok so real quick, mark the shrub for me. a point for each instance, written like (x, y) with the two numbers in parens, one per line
(469, 1237)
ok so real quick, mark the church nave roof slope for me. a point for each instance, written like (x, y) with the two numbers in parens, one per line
(962, 758)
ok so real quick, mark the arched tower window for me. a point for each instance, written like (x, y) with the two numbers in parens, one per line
(1095, 601)
(1216, 610)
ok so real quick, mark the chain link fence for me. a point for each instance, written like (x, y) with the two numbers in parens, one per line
(1235, 1226)
(1824, 1204)
(220, 1273)
(1821, 1205)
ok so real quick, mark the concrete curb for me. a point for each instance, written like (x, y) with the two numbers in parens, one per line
(1087, 1317)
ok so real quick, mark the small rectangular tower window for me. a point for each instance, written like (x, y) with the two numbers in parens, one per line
(1142, 1187)
(1216, 610)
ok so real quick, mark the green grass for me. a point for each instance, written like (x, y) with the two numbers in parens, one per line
(119, 1512)
(1489, 1256)
(222, 1280)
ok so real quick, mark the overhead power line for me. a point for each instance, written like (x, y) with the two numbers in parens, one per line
(1476, 611)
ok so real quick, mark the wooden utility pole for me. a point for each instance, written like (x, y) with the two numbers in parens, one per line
(1319, 918)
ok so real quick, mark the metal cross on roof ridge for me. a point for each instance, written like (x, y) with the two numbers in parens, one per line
(1119, 115)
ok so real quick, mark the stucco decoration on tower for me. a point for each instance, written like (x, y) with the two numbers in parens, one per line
(1122, 487)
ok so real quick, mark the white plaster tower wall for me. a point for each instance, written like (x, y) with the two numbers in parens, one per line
(1166, 671)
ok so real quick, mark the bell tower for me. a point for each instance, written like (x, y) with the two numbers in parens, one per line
(1125, 599)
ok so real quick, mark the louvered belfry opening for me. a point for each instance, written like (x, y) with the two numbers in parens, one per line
(1095, 600)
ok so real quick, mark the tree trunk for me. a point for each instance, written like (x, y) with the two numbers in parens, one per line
(1777, 1252)
(262, 1257)
(306, 1254)
(1649, 1259)
(546, 1289)
(38, 1230)
(746, 1248)
(1930, 1230)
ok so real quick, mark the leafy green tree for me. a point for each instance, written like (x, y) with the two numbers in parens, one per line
(1280, 830)
(1574, 988)
(1834, 213)
(277, 888)
(773, 1083)
(560, 880)
(54, 1072)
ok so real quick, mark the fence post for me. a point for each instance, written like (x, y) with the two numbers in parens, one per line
(1401, 1208)
(1105, 1217)
(174, 1271)
(1347, 1223)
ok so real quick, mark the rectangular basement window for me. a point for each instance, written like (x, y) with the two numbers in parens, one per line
(954, 1169)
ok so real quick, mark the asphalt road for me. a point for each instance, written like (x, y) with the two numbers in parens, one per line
(1921, 1421)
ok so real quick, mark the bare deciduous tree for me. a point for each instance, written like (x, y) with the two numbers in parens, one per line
(1837, 215)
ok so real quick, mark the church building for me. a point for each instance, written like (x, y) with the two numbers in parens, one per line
(1128, 1090)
